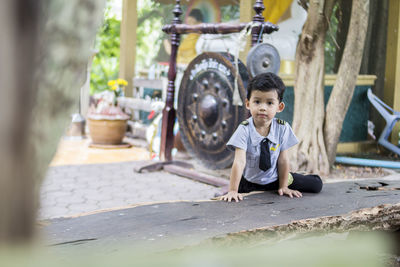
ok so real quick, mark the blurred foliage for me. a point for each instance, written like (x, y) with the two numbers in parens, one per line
(105, 64)
(230, 12)
(151, 17)
(330, 43)
(310, 249)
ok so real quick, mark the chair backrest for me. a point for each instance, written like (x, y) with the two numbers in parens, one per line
(382, 108)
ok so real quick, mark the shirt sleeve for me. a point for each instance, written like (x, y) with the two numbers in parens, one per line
(288, 139)
(239, 138)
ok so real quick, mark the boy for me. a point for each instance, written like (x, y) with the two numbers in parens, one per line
(261, 143)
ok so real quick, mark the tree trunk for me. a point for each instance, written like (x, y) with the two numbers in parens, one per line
(40, 86)
(310, 154)
(343, 90)
(19, 20)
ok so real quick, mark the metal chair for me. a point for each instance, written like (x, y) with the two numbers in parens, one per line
(391, 117)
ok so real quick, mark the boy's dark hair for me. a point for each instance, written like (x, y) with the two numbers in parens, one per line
(196, 13)
(266, 82)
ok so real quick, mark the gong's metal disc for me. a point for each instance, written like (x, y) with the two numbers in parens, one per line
(207, 118)
(263, 58)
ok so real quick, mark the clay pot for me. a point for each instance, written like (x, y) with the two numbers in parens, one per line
(107, 132)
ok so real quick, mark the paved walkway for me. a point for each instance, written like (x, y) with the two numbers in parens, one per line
(83, 180)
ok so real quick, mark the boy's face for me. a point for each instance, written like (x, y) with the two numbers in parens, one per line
(263, 106)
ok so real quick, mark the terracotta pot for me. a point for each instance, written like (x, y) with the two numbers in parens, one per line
(107, 132)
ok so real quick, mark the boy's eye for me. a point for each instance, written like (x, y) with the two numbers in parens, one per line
(270, 102)
(256, 101)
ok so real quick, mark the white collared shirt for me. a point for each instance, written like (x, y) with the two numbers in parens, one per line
(246, 137)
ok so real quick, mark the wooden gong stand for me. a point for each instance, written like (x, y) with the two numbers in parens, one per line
(169, 113)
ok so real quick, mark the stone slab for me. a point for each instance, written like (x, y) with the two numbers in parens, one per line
(193, 222)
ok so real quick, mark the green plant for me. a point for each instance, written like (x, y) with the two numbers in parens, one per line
(151, 18)
(230, 12)
(105, 65)
(118, 87)
(106, 62)
(331, 44)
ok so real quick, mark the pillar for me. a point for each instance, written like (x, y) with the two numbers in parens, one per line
(128, 43)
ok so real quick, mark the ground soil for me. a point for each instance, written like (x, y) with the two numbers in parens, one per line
(339, 171)
(351, 172)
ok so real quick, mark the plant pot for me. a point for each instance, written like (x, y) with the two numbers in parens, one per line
(107, 132)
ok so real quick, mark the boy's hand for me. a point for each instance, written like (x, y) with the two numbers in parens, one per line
(232, 195)
(289, 192)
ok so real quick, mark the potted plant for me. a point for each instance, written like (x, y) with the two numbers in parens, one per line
(107, 122)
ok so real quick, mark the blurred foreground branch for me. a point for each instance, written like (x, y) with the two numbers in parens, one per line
(44, 51)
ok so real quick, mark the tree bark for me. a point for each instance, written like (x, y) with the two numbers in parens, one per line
(310, 154)
(40, 86)
(343, 90)
(19, 20)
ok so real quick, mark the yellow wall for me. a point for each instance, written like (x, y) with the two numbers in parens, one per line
(392, 71)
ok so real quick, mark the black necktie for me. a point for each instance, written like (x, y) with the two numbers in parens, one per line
(265, 157)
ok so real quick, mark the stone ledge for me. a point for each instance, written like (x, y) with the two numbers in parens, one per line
(383, 217)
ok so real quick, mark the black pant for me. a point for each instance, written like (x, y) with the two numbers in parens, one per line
(304, 183)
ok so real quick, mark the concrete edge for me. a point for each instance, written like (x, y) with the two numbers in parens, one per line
(382, 217)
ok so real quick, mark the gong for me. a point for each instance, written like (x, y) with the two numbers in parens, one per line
(263, 58)
(206, 113)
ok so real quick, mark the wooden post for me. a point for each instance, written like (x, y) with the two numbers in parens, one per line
(258, 17)
(392, 74)
(128, 43)
(169, 113)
